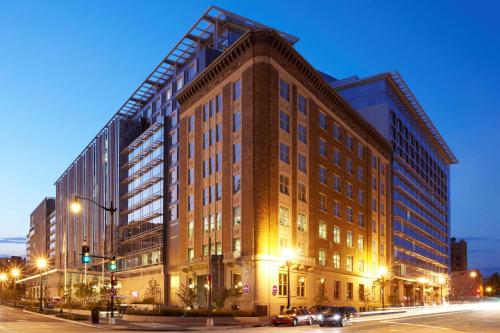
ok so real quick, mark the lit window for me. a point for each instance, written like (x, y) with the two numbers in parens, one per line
(190, 229)
(322, 257)
(284, 216)
(322, 230)
(302, 192)
(301, 222)
(336, 234)
(282, 284)
(236, 215)
(361, 242)
(349, 239)
(301, 286)
(336, 260)
(349, 264)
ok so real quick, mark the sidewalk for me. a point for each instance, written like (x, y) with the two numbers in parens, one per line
(121, 324)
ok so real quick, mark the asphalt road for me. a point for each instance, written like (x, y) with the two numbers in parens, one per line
(479, 320)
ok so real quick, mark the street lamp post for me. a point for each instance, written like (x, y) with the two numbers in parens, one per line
(382, 272)
(3, 278)
(423, 281)
(441, 281)
(41, 264)
(15, 272)
(288, 254)
(76, 208)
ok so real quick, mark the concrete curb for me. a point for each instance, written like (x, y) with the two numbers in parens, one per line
(62, 319)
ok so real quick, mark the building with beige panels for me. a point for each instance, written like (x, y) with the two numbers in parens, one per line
(235, 149)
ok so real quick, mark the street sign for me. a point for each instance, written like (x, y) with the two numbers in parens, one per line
(246, 289)
(275, 290)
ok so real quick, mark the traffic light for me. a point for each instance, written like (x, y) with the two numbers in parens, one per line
(112, 265)
(86, 257)
(114, 280)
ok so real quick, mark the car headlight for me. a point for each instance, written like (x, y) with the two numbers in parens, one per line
(319, 317)
(336, 317)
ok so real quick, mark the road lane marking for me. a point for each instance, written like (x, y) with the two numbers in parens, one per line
(410, 324)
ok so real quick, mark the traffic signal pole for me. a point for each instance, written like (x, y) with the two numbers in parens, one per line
(112, 225)
(86, 254)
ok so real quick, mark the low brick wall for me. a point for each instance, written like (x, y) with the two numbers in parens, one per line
(217, 320)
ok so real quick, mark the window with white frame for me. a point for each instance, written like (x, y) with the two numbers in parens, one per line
(322, 229)
(336, 234)
(349, 239)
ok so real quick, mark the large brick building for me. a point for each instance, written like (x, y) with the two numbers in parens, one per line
(236, 147)
(292, 164)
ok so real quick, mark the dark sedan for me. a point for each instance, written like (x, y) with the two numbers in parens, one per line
(337, 316)
(293, 317)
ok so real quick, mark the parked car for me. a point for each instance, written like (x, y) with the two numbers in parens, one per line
(317, 310)
(337, 316)
(293, 317)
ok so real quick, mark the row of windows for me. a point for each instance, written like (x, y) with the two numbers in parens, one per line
(284, 92)
(213, 222)
(323, 206)
(216, 248)
(336, 288)
(285, 126)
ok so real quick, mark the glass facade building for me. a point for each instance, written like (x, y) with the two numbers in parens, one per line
(420, 181)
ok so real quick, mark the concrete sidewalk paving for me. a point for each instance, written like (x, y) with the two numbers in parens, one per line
(125, 325)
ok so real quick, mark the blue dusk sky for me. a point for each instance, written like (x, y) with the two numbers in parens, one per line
(66, 67)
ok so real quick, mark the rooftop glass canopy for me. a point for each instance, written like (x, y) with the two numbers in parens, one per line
(203, 30)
